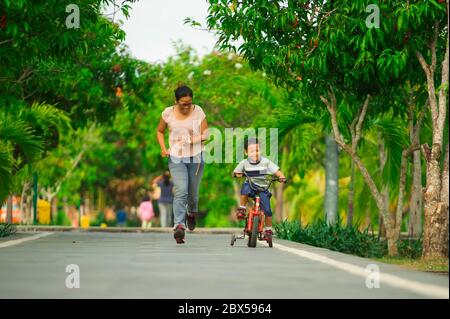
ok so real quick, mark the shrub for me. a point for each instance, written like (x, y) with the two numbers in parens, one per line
(410, 248)
(349, 240)
(7, 230)
(61, 219)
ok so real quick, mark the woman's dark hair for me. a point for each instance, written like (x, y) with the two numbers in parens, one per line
(250, 141)
(146, 198)
(183, 91)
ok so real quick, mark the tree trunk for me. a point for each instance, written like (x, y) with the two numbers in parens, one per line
(392, 238)
(54, 209)
(415, 217)
(331, 179)
(384, 194)
(381, 232)
(415, 202)
(397, 222)
(22, 203)
(87, 203)
(9, 209)
(388, 231)
(282, 205)
(435, 242)
(279, 202)
(445, 188)
(29, 209)
(351, 195)
(357, 124)
(66, 206)
(101, 199)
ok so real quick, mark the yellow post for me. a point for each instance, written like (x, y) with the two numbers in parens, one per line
(85, 221)
(43, 212)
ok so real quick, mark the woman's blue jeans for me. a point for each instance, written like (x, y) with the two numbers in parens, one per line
(186, 176)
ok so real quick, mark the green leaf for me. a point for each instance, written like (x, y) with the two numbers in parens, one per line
(400, 22)
(5, 171)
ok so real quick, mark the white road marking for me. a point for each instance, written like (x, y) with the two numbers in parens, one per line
(388, 279)
(22, 240)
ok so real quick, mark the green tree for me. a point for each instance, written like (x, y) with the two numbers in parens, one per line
(426, 25)
(42, 59)
(328, 46)
(24, 135)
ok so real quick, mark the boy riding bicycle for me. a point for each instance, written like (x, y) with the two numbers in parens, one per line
(257, 167)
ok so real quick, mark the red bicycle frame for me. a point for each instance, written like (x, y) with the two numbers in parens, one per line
(255, 211)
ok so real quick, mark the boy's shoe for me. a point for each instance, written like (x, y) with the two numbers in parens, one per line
(179, 234)
(190, 220)
(267, 234)
(241, 213)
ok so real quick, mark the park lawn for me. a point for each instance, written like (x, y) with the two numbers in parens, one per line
(438, 265)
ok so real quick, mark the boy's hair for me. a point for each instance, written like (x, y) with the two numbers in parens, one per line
(146, 198)
(183, 91)
(250, 141)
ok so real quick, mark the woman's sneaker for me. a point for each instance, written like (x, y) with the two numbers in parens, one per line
(179, 234)
(190, 220)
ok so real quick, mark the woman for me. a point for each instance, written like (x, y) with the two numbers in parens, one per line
(165, 198)
(187, 132)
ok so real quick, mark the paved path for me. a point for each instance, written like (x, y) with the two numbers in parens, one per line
(151, 265)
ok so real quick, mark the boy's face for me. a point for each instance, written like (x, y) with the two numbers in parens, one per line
(253, 152)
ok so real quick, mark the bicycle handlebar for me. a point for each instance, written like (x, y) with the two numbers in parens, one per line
(273, 179)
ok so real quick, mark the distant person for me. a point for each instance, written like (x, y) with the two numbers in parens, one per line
(121, 218)
(145, 212)
(165, 200)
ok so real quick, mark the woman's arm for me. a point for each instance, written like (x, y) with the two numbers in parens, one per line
(204, 134)
(162, 125)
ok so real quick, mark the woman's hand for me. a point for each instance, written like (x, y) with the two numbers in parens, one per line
(165, 153)
(183, 140)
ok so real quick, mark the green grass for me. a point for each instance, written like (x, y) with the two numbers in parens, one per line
(438, 265)
(7, 230)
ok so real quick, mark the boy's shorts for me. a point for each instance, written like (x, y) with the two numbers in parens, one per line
(264, 198)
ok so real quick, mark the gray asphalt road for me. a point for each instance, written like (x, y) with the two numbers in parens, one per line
(151, 265)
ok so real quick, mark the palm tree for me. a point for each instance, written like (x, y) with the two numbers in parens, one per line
(305, 133)
(25, 133)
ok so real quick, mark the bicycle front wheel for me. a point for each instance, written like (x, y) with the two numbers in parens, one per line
(254, 234)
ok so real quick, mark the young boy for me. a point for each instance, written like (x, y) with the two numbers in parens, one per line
(257, 167)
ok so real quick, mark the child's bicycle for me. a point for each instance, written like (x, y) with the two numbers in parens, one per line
(254, 221)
